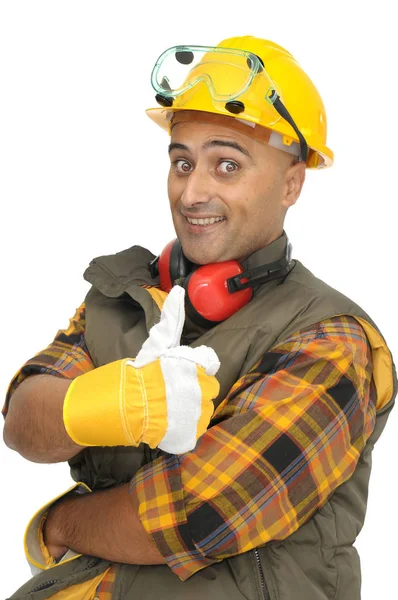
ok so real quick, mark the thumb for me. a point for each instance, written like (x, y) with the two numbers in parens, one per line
(167, 333)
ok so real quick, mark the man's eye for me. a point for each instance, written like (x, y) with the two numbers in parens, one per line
(182, 165)
(227, 166)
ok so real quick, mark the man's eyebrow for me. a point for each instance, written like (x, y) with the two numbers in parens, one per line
(212, 144)
(227, 144)
(177, 146)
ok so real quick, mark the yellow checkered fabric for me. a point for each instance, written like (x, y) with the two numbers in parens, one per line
(288, 433)
(67, 356)
(105, 588)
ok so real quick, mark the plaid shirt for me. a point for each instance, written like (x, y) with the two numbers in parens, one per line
(288, 433)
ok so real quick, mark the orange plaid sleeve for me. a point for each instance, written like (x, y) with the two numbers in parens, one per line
(106, 587)
(288, 433)
(67, 356)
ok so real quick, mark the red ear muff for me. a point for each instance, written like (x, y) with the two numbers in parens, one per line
(216, 291)
(207, 292)
(164, 268)
(172, 265)
(207, 295)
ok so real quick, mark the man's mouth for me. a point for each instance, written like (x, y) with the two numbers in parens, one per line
(207, 221)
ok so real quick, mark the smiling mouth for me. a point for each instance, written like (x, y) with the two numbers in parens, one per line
(208, 221)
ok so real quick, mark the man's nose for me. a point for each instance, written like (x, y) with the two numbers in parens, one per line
(198, 189)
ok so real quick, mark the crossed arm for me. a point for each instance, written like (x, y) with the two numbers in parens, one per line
(287, 435)
(104, 524)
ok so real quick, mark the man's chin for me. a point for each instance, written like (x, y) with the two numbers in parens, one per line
(202, 256)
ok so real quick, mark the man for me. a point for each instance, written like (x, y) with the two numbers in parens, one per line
(268, 502)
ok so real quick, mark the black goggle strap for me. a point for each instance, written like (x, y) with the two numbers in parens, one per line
(284, 113)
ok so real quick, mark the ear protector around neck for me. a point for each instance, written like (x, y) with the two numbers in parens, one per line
(214, 292)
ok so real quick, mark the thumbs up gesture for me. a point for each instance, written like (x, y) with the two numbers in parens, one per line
(163, 397)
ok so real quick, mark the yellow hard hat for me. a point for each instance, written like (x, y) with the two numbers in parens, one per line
(248, 78)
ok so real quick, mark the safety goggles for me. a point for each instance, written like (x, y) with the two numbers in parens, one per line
(228, 74)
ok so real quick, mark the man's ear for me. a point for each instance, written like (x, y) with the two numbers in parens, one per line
(295, 177)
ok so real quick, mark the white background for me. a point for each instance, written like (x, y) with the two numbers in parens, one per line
(82, 173)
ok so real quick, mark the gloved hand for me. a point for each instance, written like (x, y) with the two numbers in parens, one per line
(163, 397)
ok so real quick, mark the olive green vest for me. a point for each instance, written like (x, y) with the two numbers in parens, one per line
(318, 561)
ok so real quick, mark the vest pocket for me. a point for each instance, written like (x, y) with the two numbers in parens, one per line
(44, 586)
(80, 591)
(47, 583)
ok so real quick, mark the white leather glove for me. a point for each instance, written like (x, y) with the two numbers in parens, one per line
(188, 396)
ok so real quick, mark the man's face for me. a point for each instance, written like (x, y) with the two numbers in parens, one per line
(228, 192)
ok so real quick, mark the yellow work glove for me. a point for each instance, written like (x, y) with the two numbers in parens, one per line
(163, 397)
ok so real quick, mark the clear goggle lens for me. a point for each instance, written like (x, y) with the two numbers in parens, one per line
(227, 72)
